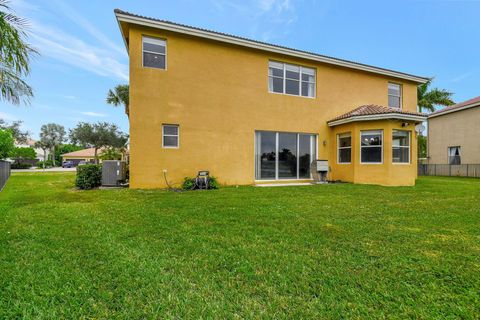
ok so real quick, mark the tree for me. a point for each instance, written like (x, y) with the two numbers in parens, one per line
(119, 96)
(14, 57)
(52, 135)
(427, 99)
(422, 146)
(66, 148)
(111, 153)
(7, 144)
(24, 153)
(19, 135)
(98, 135)
(44, 146)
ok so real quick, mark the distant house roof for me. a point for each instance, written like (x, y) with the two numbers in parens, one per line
(475, 102)
(376, 112)
(89, 152)
(123, 16)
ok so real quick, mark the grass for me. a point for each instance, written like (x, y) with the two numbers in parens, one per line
(326, 251)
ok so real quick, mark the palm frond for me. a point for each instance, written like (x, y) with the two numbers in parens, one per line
(13, 88)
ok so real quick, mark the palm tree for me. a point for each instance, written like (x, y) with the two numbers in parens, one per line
(428, 99)
(119, 96)
(14, 57)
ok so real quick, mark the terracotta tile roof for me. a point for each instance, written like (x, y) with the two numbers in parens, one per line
(400, 74)
(373, 109)
(89, 152)
(457, 106)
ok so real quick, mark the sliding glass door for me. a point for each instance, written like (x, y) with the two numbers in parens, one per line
(283, 155)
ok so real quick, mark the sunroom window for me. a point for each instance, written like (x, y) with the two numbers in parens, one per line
(371, 146)
(401, 146)
(344, 148)
(291, 79)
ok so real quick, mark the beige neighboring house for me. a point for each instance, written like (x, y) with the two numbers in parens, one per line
(87, 155)
(454, 134)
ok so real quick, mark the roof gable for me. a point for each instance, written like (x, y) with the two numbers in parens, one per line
(471, 103)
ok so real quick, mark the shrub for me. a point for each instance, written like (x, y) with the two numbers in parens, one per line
(213, 184)
(47, 163)
(89, 176)
(189, 183)
(17, 165)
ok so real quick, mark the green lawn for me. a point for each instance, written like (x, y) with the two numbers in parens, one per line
(326, 251)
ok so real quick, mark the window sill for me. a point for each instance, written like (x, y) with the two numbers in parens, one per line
(291, 95)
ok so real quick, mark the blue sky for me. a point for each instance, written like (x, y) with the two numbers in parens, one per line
(82, 53)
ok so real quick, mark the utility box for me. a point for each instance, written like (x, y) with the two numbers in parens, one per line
(114, 172)
(322, 165)
(322, 169)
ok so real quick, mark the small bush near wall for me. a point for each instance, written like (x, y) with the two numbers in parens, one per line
(89, 176)
(189, 183)
(48, 164)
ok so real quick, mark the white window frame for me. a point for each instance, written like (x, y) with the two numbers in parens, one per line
(459, 154)
(344, 135)
(284, 78)
(157, 41)
(170, 135)
(405, 147)
(361, 147)
(400, 90)
(313, 154)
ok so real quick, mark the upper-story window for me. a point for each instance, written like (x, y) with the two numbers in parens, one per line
(154, 53)
(394, 95)
(291, 79)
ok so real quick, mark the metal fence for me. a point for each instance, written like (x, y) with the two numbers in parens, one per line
(449, 170)
(4, 173)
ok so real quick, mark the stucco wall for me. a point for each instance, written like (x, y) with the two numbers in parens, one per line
(461, 128)
(218, 95)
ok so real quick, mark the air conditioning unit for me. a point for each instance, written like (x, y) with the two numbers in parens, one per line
(114, 172)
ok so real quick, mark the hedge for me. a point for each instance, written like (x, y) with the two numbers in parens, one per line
(89, 176)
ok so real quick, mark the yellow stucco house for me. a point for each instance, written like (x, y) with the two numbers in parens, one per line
(255, 113)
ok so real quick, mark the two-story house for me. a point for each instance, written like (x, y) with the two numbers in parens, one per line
(252, 112)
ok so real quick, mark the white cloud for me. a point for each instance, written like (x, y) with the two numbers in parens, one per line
(7, 116)
(276, 5)
(462, 77)
(267, 19)
(88, 27)
(73, 51)
(94, 114)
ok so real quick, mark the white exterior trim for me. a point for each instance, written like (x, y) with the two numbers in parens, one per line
(381, 146)
(263, 46)
(170, 135)
(383, 116)
(477, 104)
